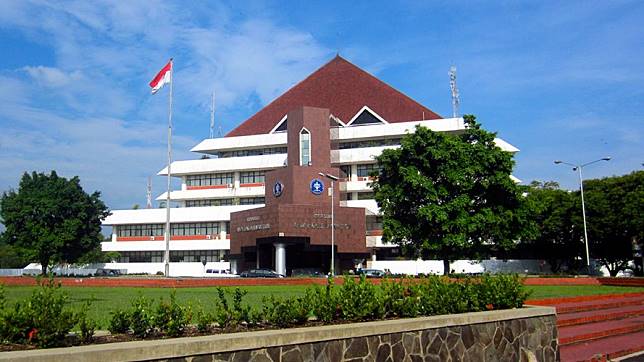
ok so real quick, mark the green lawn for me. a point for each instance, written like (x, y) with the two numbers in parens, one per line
(554, 291)
(109, 299)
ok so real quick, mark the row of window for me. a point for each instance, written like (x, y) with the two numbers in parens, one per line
(251, 177)
(209, 202)
(370, 143)
(374, 222)
(364, 170)
(251, 200)
(255, 152)
(177, 256)
(211, 179)
(368, 169)
(225, 202)
(202, 228)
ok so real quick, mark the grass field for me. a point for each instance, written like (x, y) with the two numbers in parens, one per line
(106, 300)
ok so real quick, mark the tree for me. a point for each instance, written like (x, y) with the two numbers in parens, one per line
(615, 219)
(52, 219)
(449, 195)
(11, 257)
(557, 215)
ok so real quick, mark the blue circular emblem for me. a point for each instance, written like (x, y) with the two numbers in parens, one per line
(317, 186)
(277, 189)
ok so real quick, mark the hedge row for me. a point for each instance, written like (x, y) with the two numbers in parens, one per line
(45, 319)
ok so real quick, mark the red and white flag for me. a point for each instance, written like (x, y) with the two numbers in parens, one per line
(163, 77)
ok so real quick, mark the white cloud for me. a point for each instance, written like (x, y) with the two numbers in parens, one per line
(52, 77)
(88, 111)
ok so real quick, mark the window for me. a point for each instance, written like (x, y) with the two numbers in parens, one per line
(367, 170)
(186, 256)
(365, 196)
(140, 257)
(251, 200)
(282, 127)
(305, 147)
(370, 143)
(253, 152)
(251, 177)
(365, 117)
(203, 228)
(345, 171)
(374, 222)
(140, 230)
(211, 179)
(209, 202)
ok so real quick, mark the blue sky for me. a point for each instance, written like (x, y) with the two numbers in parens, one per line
(559, 80)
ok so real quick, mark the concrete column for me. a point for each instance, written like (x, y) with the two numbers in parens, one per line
(280, 258)
(233, 266)
(222, 230)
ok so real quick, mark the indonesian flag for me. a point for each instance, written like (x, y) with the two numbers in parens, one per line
(163, 77)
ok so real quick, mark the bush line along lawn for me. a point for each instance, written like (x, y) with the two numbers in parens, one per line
(106, 300)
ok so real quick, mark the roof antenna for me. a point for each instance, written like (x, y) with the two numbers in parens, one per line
(452, 85)
(148, 194)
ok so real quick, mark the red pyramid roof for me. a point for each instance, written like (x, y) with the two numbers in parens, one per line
(344, 89)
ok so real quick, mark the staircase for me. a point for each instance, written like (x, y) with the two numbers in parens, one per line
(599, 328)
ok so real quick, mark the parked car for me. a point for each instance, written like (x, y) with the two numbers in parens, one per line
(260, 273)
(220, 273)
(307, 272)
(371, 273)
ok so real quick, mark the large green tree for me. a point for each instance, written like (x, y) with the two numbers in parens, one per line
(615, 218)
(448, 195)
(557, 216)
(51, 219)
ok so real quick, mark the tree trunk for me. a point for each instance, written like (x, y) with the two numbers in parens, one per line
(43, 266)
(445, 266)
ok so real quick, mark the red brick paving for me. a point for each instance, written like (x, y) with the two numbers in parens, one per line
(599, 328)
(588, 331)
(569, 319)
(610, 347)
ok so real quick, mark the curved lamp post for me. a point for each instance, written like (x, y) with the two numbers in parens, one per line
(583, 207)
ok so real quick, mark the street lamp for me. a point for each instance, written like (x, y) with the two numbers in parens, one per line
(583, 207)
(331, 190)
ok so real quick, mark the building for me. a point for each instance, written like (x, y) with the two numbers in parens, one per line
(255, 198)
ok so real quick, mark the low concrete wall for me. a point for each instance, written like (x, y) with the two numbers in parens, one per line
(527, 334)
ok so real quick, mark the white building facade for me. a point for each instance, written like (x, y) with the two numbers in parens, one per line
(228, 174)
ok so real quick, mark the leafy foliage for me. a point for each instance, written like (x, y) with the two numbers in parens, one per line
(448, 195)
(615, 218)
(51, 219)
(86, 326)
(119, 323)
(44, 319)
(141, 318)
(557, 214)
(172, 318)
(283, 312)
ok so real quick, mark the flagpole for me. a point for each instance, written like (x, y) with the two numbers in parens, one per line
(166, 257)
